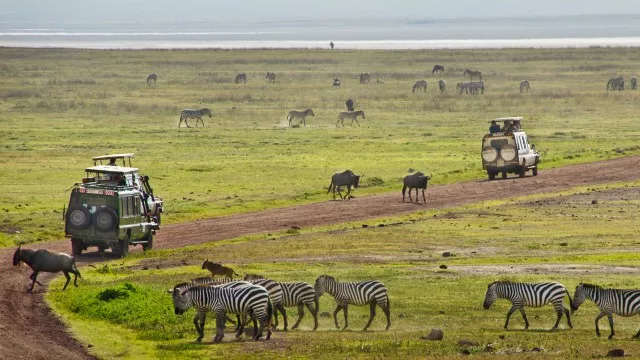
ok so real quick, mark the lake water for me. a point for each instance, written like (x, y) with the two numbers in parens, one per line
(567, 31)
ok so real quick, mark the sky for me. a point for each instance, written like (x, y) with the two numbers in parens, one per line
(30, 12)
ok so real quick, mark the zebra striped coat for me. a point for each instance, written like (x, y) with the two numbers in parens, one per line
(247, 300)
(365, 78)
(442, 85)
(420, 84)
(528, 294)
(609, 301)
(241, 78)
(524, 85)
(152, 77)
(201, 313)
(371, 292)
(472, 73)
(353, 115)
(294, 114)
(298, 294)
(276, 295)
(187, 114)
(271, 77)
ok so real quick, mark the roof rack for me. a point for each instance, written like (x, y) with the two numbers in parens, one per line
(512, 118)
(112, 159)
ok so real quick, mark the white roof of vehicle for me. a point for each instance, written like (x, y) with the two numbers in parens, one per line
(113, 156)
(106, 169)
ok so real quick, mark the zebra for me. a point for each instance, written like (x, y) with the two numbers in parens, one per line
(353, 115)
(365, 78)
(298, 294)
(207, 280)
(275, 294)
(420, 84)
(437, 69)
(349, 104)
(528, 294)
(634, 83)
(187, 114)
(442, 85)
(271, 77)
(472, 73)
(615, 84)
(346, 178)
(293, 114)
(468, 88)
(241, 78)
(524, 85)
(152, 76)
(480, 87)
(610, 301)
(370, 292)
(247, 300)
(336, 82)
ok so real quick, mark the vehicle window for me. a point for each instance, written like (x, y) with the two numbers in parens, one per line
(499, 143)
(93, 203)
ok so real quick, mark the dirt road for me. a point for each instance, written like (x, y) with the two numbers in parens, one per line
(32, 332)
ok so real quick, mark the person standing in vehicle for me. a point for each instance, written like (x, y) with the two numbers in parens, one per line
(494, 128)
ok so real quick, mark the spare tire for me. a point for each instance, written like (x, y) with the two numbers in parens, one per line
(105, 219)
(78, 217)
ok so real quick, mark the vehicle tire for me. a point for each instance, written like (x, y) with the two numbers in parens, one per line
(121, 249)
(535, 171)
(492, 175)
(149, 244)
(76, 247)
(78, 217)
(105, 219)
(522, 172)
(504, 174)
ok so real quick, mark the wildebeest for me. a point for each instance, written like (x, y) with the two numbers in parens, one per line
(336, 82)
(349, 104)
(420, 84)
(271, 77)
(241, 78)
(217, 269)
(442, 86)
(437, 69)
(472, 73)
(415, 181)
(346, 178)
(44, 260)
(152, 77)
(365, 78)
(524, 85)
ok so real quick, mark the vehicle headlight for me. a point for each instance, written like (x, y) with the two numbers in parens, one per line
(489, 154)
(508, 153)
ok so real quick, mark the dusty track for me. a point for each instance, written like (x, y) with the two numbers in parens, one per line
(32, 332)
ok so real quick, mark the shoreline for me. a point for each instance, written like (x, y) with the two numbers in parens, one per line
(340, 45)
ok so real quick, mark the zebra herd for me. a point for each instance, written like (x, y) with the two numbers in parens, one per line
(258, 299)
(610, 301)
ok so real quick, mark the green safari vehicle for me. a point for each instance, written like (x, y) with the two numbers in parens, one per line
(113, 207)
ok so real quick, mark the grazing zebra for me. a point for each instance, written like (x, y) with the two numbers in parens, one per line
(524, 85)
(241, 78)
(526, 294)
(275, 294)
(615, 84)
(293, 114)
(247, 300)
(473, 73)
(468, 88)
(271, 77)
(442, 86)
(365, 78)
(634, 83)
(353, 115)
(336, 82)
(346, 178)
(421, 84)
(437, 69)
(152, 76)
(298, 294)
(371, 292)
(349, 104)
(610, 301)
(187, 114)
(480, 87)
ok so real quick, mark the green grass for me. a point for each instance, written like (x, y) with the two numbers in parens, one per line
(60, 107)
(533, 238)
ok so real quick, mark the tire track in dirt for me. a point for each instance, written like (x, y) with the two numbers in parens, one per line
(31, 331)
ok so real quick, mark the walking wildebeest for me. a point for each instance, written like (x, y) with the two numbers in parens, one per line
(415, 181)
(346, 178)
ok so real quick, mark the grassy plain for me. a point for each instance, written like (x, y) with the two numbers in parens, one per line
(124, 311)
(60, 107)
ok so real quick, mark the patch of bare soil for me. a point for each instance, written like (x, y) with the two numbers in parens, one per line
(31, 331)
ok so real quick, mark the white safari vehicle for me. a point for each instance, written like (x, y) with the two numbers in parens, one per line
(507, 150)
